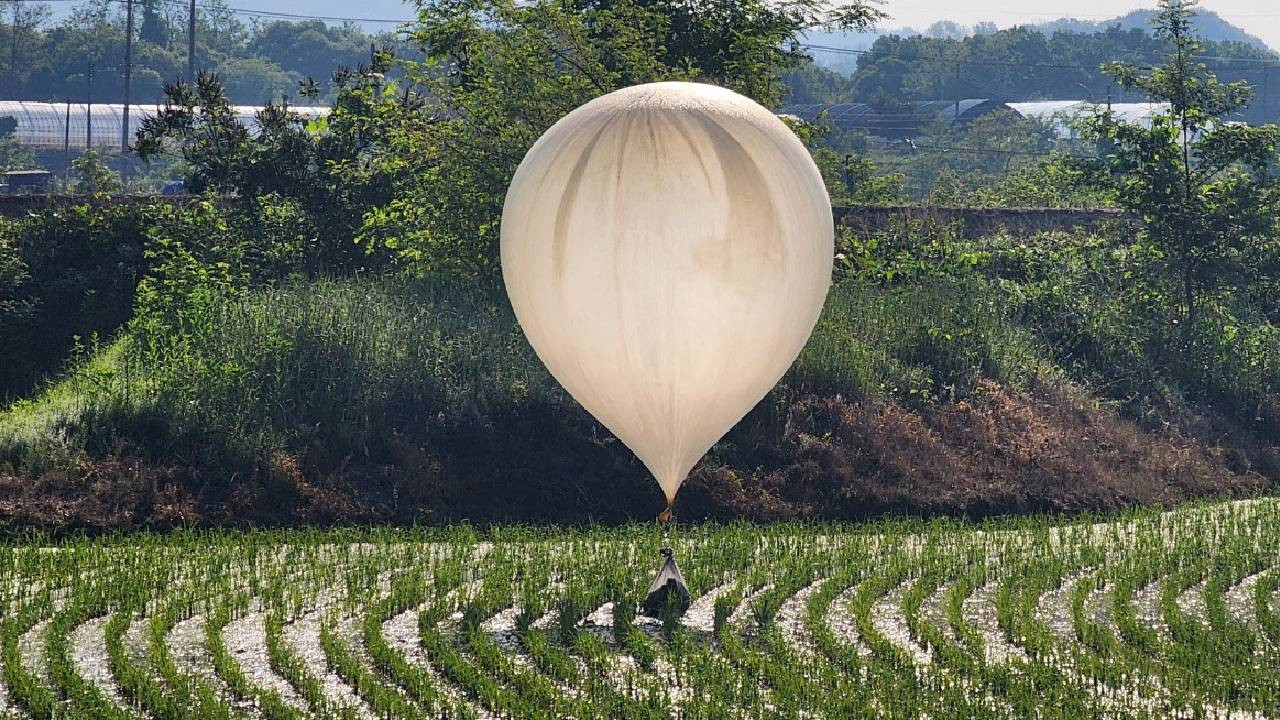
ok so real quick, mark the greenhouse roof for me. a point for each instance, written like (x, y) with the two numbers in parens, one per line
(1060, 113)
(907, 120)
(44, 125)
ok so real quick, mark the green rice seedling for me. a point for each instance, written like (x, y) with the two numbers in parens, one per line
(1139, 615)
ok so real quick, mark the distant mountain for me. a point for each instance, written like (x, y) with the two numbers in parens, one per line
(844, 46)
(1207, 22)
(838, 50)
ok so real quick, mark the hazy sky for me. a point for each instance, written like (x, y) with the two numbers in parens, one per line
(1260, 18)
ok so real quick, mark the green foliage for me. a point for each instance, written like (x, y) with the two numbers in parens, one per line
(922, 342)
(1053, 181)
(311, 175)
(65, 276)
(13, 276)
(257, 61)
(16, 156)
(1024, 63)
(503, 72)
(1042, 618)
(1206, 188)
(341, 365)
(310, 48)
(92, 176)
(1104, 320)
(193, 267)
(808, 82)
(946, 162)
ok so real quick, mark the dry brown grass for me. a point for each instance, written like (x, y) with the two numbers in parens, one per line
(1053, 449)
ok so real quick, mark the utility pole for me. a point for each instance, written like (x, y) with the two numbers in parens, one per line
(191, 44)
(88, 108)
(13, 50)
(66, 148)
(128, 74)
(1266, 90)
(957, 117)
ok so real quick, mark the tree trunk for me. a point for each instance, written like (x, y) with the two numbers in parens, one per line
(1188, 289)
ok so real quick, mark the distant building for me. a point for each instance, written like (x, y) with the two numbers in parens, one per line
(1059, 114)
(26, 181)
(908, 121)
(44, 126)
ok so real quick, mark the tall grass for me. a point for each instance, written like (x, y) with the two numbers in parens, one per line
(927, 340)
(342, 364)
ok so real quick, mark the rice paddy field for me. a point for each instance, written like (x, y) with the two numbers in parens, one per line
(1150, 614)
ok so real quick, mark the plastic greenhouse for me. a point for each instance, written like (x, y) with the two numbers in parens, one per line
(45, 125)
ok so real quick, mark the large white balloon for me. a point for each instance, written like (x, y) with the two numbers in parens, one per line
(667, 249)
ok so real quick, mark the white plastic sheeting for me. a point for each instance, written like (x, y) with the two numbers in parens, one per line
(667, 249)
(44, 125)
(1061, 113)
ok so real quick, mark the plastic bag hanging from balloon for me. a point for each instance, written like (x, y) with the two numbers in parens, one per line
(668, 591)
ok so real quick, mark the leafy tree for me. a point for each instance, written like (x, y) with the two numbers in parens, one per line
(948, 29)
(92, 176)
(320, 168)
(1205, 187)
(199, 125)
(1023, 63)
(501, 72)
(48, 60)
(154, 28)
(809, 82)
(23, 21)
(13, 156)
(309, 48)
(254, 81)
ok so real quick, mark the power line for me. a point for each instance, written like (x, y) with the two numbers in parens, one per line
(250, 12)
(1058, 15)
(1263, 64)
(1007, 63)
(994, 151)
(300, 16)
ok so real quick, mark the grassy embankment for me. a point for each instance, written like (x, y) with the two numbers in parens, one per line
(1014, 388)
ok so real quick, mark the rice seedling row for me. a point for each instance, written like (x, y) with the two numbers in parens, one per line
(1144, 615)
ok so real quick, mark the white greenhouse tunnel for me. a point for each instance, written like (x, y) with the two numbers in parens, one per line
(1060, 114)
(52, 126)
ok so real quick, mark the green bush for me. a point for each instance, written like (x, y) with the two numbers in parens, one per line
(923, 341)
(66, 275)
(336, 366)
(71, 274)
(340, 366)
(1098, 305)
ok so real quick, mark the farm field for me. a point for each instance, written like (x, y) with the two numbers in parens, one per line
(1172, 614)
